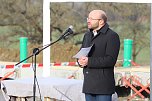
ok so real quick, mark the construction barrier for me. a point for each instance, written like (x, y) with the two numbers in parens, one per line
(59, 69)
(128, 77)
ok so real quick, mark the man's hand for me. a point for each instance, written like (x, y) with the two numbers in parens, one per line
(83, 61)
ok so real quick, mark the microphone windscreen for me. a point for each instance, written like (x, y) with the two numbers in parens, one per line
(71, 27)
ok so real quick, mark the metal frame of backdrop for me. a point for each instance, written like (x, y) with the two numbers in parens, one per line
(46, 30)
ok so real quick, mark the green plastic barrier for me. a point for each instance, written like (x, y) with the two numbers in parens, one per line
(127, 52)
(23, 48)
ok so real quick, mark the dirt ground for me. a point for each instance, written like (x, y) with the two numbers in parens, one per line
(134, 99)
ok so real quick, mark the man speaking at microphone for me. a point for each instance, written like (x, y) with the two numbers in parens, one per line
(98, 66)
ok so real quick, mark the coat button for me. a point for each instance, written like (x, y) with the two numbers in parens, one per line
(87, 72)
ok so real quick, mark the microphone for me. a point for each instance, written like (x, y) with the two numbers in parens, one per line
(68, 31)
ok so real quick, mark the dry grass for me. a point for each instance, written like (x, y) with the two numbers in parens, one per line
(59, 53)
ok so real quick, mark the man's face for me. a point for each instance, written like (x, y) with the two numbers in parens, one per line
(93, 20)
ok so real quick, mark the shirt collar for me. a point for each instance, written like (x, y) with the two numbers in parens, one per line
(95, 33)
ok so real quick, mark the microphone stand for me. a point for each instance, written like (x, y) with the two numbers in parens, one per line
(36, 51)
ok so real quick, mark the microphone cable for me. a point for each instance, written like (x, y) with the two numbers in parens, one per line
(37, 82)
(62, 94)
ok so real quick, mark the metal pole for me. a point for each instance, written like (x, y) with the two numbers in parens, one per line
(151, 52)
(46, 37)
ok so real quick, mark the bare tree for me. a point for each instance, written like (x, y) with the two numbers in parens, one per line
(26, 15)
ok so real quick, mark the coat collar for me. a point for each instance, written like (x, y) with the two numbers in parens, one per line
(104, 29)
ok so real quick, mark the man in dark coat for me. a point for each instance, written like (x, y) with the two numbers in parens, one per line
(98, 66)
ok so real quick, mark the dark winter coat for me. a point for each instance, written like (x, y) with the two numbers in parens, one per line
(99, 73)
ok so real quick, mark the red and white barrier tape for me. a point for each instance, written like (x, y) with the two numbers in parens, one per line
(28, 65)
